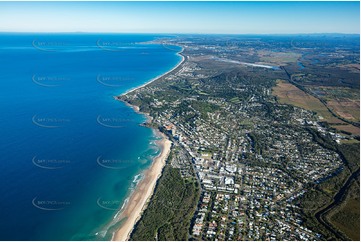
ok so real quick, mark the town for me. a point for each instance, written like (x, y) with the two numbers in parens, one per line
(253, 157)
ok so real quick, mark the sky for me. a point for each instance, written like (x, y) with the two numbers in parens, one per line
(181, 17)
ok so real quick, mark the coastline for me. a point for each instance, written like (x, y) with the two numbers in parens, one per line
(143, 192)
(140, 197)
(160, 76)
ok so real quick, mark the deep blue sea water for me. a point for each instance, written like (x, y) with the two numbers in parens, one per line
(69, 151)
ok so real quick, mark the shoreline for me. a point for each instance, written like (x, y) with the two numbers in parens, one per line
(139, 199)
(160, 76)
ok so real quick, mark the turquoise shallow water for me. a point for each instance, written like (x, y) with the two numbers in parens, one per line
(70, 152)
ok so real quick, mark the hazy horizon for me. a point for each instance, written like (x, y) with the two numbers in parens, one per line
(164, 33)
(181, 17)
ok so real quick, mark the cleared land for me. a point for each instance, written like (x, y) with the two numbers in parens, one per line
(290, 94)
(348, 109)
(351, 67)
(287, 93)
(348, 128)
(279, 58)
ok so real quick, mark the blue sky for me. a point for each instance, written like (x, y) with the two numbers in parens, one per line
(181, 17)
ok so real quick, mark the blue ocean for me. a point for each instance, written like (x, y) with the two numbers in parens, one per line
(70, 153)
